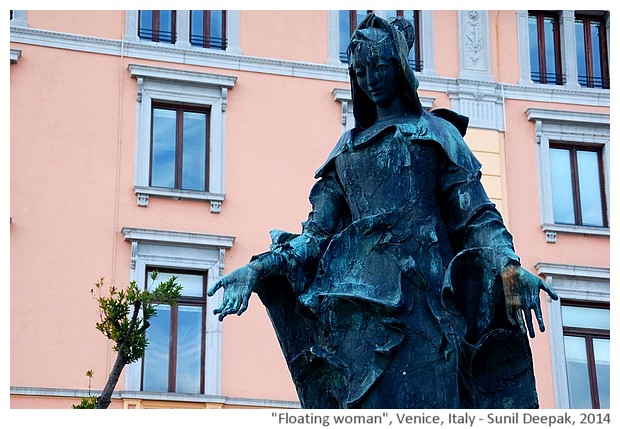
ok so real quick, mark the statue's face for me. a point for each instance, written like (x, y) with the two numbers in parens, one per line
(376, 73)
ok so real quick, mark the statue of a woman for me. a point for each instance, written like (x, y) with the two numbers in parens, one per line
(403, 289)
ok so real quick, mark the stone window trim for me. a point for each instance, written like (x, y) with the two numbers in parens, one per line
(19, 18)
(575, 283)
(182, 27)
(567, 42)
(181, 86)
(183, 251)
(580, 128)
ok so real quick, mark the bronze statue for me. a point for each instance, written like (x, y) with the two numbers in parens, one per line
(403, 289)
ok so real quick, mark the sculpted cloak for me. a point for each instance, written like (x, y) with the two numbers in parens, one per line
(391, 295)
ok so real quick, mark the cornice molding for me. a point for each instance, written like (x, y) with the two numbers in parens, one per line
(338, 73)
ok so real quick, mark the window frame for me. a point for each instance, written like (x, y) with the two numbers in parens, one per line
(542, 58)
(182, 251)
(586, 129)
(589, 334)
(589, 77)
(426, 43)
(172, 352)
(589, 286)
(206, 30)
(576, 189)
(180, 109)
(155, 30)
(164, 85)
(182, 23)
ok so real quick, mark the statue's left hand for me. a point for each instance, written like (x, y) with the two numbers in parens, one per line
(238, 286)
(521, 291)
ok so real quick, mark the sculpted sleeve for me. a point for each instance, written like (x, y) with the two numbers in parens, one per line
(296, 255)
(472, 218)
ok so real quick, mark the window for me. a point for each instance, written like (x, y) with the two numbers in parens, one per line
(577, 185)
(413, 16)
(544, 39)
(348, 20)
(174, 359)
(586, 347)
(179, 147)
(592, 65)
(180, 134)
(185, 29)
(185, 347)
(573, 155)
(208, 28)
(157, 25)
(579, 332)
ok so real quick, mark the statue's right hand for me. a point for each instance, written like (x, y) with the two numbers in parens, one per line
(238, 286)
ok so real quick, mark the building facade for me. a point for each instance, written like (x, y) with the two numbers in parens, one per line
(175, 140)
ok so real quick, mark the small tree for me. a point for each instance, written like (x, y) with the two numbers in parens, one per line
(124, 318)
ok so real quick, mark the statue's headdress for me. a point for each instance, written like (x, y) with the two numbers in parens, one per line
(391, 41)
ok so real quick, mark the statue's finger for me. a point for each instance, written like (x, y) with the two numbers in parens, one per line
(244, 306)
(539, 317)
(544, 286)
(528, 320)
(214, 289)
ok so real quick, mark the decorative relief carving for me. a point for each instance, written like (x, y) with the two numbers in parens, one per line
(140, 89)
(216, 206)
(143, 200)
(474, 38)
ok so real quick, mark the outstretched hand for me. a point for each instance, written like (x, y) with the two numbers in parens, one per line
(521, 290)
(238, 286)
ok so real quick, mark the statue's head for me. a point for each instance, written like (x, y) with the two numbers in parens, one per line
(381, 48)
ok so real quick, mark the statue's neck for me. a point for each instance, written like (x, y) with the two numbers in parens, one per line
(397, 108)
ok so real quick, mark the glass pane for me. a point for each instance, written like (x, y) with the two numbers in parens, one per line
(164, 148)
(189, 349)
(602, 360)
(590, 188)
(562, 186)
(585, 317)
(197, 27)
(550, 49)
(581, 52)
(157, 356)
(165, 26)
(146, 24)
(192, 284)
(194, 151)
(534, 61)
(595, 34)
(344, 33)
(577, 370)
(216, 35)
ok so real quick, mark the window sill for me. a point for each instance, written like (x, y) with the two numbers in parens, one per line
(144, 192)
(552, 228)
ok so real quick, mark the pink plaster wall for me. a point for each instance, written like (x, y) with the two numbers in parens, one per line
(98, 23)
(289, 37)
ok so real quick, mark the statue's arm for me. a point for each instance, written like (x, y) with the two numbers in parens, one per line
(291, 255)
(476, 223)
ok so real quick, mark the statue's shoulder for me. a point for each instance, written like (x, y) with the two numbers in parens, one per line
(447, 128)
(341, 144)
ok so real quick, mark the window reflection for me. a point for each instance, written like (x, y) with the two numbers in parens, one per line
(174, 358)
(156, 358)
(561, 186)
(179, 148)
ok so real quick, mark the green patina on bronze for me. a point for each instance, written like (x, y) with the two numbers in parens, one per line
(403, 289)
